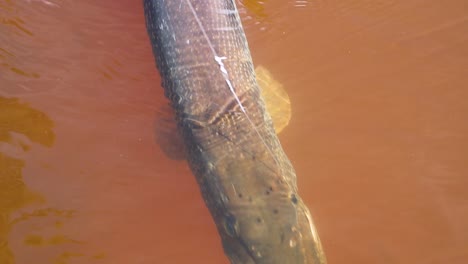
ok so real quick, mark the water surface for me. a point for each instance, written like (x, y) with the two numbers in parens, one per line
(378, 134)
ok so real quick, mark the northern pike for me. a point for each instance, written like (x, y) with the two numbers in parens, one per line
(245, 178)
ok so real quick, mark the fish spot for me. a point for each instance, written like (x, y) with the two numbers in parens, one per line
(292, 242)
(257, 253)
(275, 211)
(240, 195)
(293, 198)
(210, 166)
(267, 192)
(259, 220)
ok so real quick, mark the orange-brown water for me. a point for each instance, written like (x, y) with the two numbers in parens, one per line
(378, 136)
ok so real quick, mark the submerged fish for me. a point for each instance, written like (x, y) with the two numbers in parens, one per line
(246, 180)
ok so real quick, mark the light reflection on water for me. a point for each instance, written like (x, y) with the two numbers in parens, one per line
(22, 128)
(377, 134)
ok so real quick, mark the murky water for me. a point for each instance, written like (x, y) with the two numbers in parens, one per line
(378, 134)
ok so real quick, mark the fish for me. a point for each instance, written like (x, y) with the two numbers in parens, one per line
(245, 178)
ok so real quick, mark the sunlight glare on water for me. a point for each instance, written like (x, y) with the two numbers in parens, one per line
(378, 133)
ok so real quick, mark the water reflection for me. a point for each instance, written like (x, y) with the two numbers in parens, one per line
(22, 127)
(256, 7)
(18, 118)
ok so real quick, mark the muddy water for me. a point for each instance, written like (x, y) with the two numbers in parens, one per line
(378, 134)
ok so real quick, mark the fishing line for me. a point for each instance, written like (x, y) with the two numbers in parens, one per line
(219, 61)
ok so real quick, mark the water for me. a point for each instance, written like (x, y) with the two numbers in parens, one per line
(378, 134)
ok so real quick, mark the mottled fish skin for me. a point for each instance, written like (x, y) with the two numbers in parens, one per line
(246, 180)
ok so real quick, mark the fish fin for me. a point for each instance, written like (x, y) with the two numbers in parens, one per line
(167, 135)
(276, 98)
